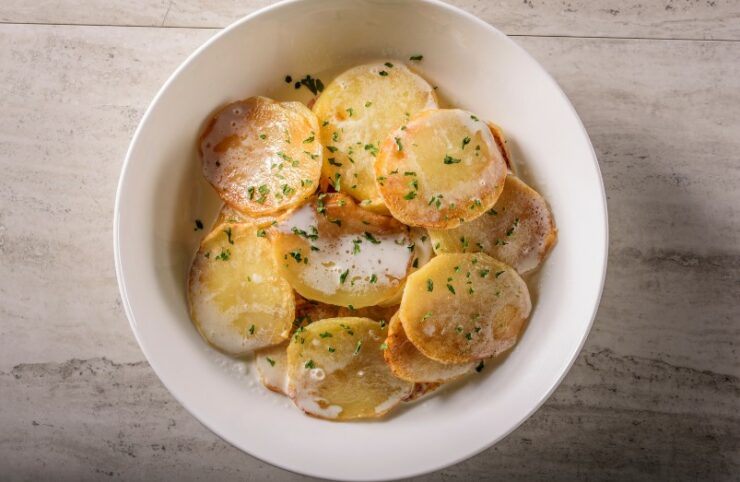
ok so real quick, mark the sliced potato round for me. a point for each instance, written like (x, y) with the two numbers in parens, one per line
(357, 110)
(227, 214)
(452, 307)
(441, 169)
(238, 300)
(272, 362)
(408, 363)
(262, 156)
(421, 390)
(336, 370)
(333, 251)
(519, 230)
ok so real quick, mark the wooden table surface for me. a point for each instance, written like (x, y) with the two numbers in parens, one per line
(655, 394)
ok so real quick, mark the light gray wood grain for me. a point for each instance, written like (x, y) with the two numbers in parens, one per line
(655, 394)
(696, 19)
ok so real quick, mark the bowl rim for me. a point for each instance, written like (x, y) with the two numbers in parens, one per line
(181, 398)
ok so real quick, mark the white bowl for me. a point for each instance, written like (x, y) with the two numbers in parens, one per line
(161, 193)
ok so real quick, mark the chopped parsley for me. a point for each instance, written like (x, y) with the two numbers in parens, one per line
(430, 285)
(227, 231)
(383, 73)
(499, 273)
(373, 279)
(484, 272)
(251, 330)
(398, 143)
(343, 276)
(224, 255)
(416, 58)
(371, 238)
(465, 142)
(314, 85)
(451, 288)
(309, 364)
(325, 334)
(357, 347)
(270, 361)
(450, 160)
(372, 149)
(261, 233)
(198, 225)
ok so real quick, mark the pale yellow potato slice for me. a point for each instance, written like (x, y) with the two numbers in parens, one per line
(262, 156)
(336, 370)
(333, 251)
(408, 363)
(519, 230)
(357, 110)
(453, 308)
(272, 362)
(237, 298)
(441, 169)
(227, 214)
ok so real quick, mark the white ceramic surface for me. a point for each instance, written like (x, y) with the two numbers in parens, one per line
(161, 193)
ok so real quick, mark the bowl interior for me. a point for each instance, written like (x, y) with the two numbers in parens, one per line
(161, 193)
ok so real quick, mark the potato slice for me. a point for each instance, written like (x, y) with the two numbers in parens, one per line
(408, 363)
(336, 370)
(262, 156)
(421, 390)
(272, 362)
(442, 169)
(227, 214)
(519, 230)
(238, 300)
(453, 307)
(357, 110)
(333, 251)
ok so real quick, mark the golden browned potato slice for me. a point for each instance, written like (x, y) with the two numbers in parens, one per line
(333, 251)
(452, 308)
(238, 300)
(357, 111)
(519, 230)
(262, 156)
(227, 214)
(408, 363)
(421, 390)
(272, 362)
(441, 169)
(336, 370)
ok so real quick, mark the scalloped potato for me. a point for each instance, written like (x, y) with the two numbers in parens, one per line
(336, 370)
(332, 251)
(262, 156)
(238, 300)
(442, 169)
(370, 244)
(408, 363)
(519, 230)
(357, 110)
(452, 307)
